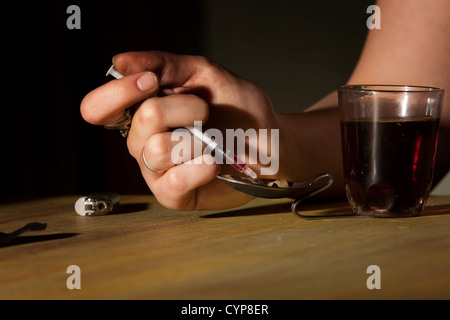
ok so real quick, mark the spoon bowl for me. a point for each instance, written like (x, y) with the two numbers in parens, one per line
(267, 188)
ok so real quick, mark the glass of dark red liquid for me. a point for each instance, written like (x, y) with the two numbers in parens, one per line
(389, 137)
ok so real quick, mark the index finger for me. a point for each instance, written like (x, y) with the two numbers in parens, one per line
(107, 103)
(173, 70)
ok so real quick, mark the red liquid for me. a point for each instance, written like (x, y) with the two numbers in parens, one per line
(388, 164)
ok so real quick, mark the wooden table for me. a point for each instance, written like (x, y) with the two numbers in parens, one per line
(258, 251)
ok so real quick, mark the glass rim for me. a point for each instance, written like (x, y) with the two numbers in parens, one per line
(394, 88)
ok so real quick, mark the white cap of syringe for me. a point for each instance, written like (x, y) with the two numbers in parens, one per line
(116, 74)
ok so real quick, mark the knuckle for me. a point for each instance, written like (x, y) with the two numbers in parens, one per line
(150, 111)
(209, 66)
(213, 72)
(205, 62)
(158, 148)
(133, 149)
(201, 110)
(176, 181)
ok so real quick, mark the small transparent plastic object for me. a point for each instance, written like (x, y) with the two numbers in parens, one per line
(124, 123)
(97, 204)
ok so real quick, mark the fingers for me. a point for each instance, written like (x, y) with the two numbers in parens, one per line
(161, 151)
(192, 186)
(177, 188)
(157, 115)
(174, 70)
(107, 103)
(172, 181)
(176, 74)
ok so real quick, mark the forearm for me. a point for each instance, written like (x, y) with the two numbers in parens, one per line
(311, 144)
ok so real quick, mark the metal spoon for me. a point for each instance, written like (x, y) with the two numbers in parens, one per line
(260, 188)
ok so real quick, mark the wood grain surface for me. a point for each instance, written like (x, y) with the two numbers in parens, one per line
(258, 251)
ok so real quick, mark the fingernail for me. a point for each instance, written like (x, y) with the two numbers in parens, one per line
(147, 81)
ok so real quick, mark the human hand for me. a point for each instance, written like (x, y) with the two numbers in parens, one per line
(190, 89)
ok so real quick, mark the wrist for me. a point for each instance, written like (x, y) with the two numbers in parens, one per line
(290, 146)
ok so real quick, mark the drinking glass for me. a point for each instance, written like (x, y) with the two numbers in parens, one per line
(389, 136)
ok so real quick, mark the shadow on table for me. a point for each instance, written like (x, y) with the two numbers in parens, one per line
(316, 211)
(310, 210)
(37, 238)
(254, 211)
(131, 208)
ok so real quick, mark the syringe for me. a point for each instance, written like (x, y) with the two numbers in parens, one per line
(230, 157)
